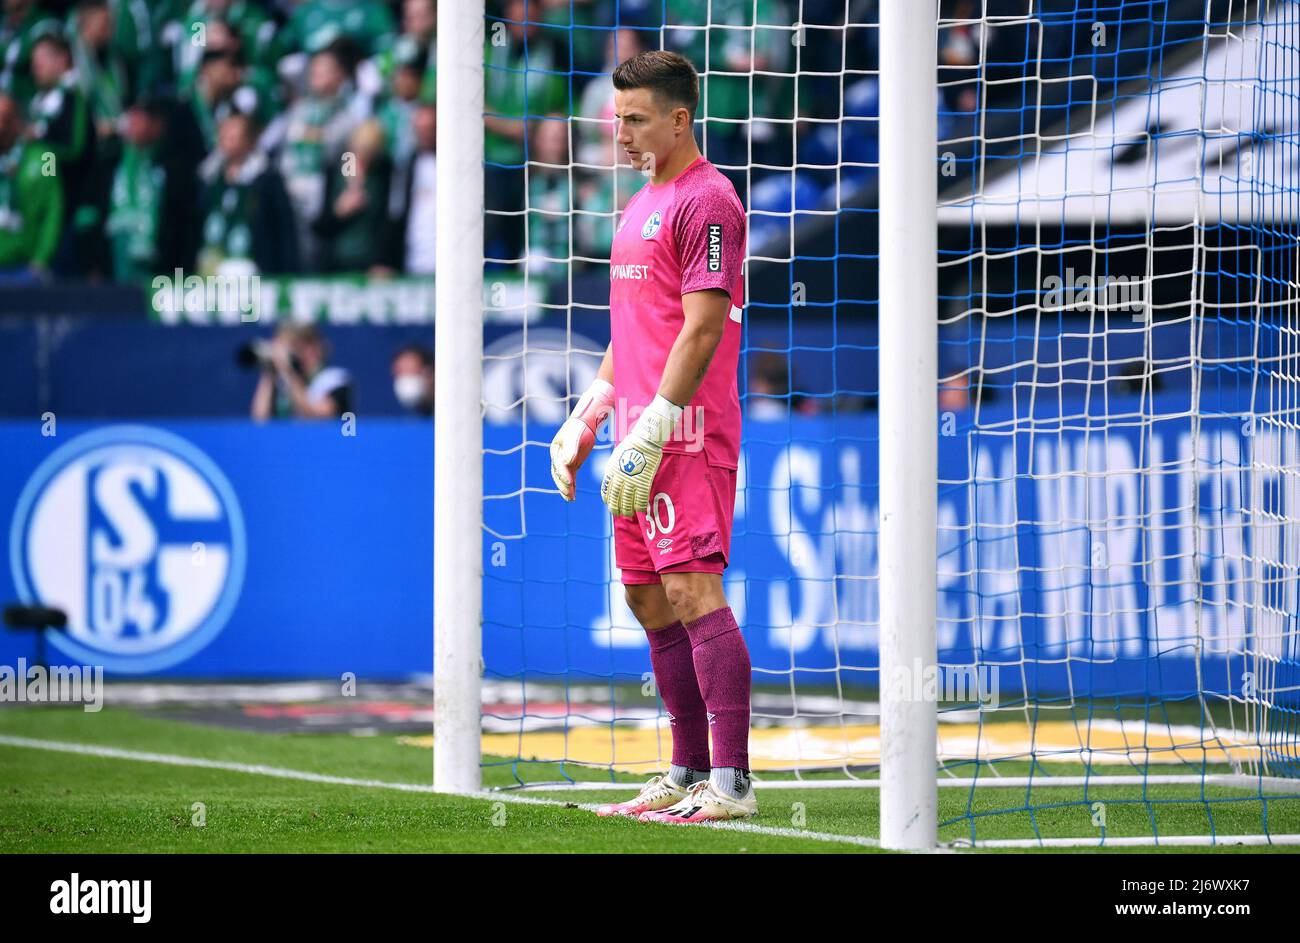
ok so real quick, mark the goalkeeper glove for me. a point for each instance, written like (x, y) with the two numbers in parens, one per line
(574, 442)
(631, 469)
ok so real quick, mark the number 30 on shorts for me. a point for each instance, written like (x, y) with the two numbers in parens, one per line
(660, 505)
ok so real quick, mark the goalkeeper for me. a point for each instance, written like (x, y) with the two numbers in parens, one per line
(669, 378)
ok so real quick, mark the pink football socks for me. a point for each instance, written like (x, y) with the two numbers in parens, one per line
(722, 671)
(674, 670)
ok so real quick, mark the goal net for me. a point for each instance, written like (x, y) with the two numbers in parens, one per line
(1118, 511)
(1118, 515)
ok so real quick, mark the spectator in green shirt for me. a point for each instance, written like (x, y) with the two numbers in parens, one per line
(22, 23)
(152, 221)
(225, 86)
(316, 130)
(247, 221)
(59, 111)
(115, 50)
(416, 44)
(205, 25)
(353, 225)
(103, 70)
(60, 120)
(397, 109)
(31, 202)
(107, 77)
(135, 39)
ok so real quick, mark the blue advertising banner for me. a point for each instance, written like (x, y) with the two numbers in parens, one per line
(224, 549)
(1079, 557)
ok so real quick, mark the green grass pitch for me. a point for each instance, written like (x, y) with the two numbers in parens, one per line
(64, 802)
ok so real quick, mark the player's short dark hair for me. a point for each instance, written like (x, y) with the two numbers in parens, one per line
(669, 75)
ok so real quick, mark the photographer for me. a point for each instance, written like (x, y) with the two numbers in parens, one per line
(295, 381)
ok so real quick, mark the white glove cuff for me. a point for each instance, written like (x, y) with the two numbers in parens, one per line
(657, 422)
(595, 404)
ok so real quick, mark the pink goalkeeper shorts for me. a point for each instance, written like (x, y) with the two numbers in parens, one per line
(686, 529)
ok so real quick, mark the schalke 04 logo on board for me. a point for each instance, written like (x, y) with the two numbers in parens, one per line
(138, 536)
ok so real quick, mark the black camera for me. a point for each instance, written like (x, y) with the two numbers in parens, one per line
(257, 355)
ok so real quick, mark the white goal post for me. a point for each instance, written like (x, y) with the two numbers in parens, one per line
(458, 384)
(908, 406)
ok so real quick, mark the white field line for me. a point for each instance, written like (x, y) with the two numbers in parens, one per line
(169, 759)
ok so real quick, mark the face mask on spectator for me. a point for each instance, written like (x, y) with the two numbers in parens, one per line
(409, 389)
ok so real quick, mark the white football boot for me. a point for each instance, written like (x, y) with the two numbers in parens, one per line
(705, 803)
(659, 793)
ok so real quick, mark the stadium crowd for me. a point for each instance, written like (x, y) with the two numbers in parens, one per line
(286, 137)
(296, 137)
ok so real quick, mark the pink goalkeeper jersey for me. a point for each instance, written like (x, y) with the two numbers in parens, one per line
(677, 237)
